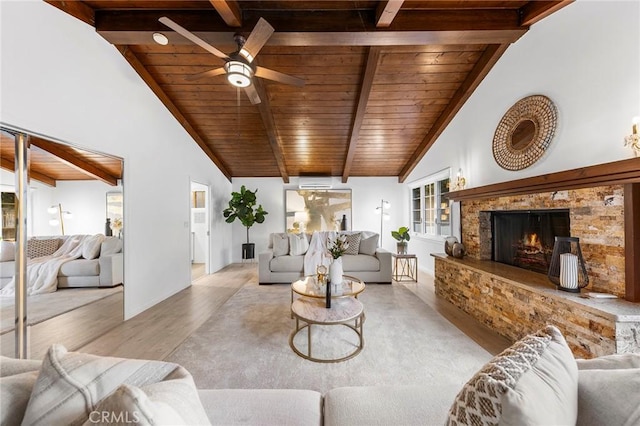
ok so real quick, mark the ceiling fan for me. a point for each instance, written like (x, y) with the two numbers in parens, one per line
(239, 66)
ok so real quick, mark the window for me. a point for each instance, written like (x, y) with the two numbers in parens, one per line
(430, 210)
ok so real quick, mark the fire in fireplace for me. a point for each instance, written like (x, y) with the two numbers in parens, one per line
(524, 238)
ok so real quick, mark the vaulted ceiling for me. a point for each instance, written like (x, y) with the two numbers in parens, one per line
(381, 79)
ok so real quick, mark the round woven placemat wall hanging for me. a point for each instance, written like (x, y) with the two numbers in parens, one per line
(525, 132)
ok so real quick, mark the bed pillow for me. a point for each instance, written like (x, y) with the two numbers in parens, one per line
(280, 243)
(7, 251)
(534, 382)
(71, 386)
(91, 246)
(298, 244)
(40, 248)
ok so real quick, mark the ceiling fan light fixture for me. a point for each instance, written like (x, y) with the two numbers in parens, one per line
(160, 39)
(246, 54)
(238, 73)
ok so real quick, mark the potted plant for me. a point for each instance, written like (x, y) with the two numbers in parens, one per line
(242, 206)
(402, 236)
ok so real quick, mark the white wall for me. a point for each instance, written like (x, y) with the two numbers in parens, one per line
(584, 57)
(60, 79)
(366, 195)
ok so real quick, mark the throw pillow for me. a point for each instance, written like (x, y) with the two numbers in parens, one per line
(71, 386)
(354, 243)
(280, 244)
(7, 251)
(298, 244)
(91, 246)
(17, 378)
(368, 245)
(111, 245)
(40, 248)
(535, 381)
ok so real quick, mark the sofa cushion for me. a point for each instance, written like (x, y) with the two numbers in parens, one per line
(360, 262)
(110, 245)
(80, 268)
(608, 390)
(7, 251)
(354, 243)
(41, 247)
(262, 406)
(298, 244)
(368, 244)
(534, 382)
(91, 246)
(287, 264)
(280, 244)
(70, 386)
(7, 269)
(17, 378)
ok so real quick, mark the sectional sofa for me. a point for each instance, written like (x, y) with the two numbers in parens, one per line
(536, 381)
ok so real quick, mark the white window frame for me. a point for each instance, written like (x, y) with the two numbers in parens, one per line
(434, 230)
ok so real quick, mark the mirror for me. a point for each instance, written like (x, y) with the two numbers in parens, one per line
(523, 135)
(77, 306)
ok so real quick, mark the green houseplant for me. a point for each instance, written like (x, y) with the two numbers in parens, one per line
(402, 236)
(242, 206)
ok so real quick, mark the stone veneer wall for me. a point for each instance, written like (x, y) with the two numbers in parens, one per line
(596, 217)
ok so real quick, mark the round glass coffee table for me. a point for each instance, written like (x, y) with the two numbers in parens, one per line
(309, 287)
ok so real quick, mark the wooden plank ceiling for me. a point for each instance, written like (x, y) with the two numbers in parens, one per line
(382, 79)
(50, 162)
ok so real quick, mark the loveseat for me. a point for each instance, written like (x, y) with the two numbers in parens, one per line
(534, 382)
(284, 260)
(101, 268)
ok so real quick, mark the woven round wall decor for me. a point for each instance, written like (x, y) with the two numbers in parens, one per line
(525, 132)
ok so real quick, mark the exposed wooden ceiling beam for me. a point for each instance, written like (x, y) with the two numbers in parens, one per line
(47, 180)
(270, 126)
(325, 28)
(479, 71)
(77, 163)
(76, 9)
(534, 11)
(229, 10)
(386, 12)
(164, 98)
(365, 90)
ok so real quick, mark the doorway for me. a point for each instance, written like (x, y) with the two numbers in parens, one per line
(199, 205)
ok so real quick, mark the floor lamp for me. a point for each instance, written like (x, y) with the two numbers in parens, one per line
(384, 205)
(61, 214)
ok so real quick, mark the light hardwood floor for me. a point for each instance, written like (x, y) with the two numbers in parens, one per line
(158, 331)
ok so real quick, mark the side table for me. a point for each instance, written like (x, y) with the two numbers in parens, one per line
(405, 267)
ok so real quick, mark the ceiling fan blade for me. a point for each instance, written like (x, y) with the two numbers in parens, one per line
(258, 37)
(210, 73)
(278, 76)
(252, 94)
(195, 39)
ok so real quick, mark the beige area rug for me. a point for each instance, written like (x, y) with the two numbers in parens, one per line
(245, 344)
(41, 307)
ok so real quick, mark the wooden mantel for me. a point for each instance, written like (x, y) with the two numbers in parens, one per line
(624, 172)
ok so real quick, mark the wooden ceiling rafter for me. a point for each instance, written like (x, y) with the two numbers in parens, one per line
(229, 10)
(77, 9)
(373, 58)
(489, 57)
(130, 56)
(75, 162)
(386, 12)
(40, 177)
(535, 11)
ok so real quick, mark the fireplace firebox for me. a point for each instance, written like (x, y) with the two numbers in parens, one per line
(524, 238)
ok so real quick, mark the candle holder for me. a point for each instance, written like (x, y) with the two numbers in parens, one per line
(567, 269)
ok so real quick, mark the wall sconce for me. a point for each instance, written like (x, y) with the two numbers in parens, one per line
(62, 214)
(633, 140)
(384, 205)
(460, 181)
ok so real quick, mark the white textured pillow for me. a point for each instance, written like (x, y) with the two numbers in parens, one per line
(7, 251)
(71, 386)
(91, 246)
(354, 243)
(534, 382)
(368, 245)
(280, 244)
(298, 244)
(110, 245)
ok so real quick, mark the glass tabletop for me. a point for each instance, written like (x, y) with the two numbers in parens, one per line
(308, 286)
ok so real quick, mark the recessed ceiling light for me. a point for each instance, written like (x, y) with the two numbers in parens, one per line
(160, 39)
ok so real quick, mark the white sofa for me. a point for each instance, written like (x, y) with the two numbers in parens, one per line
(105, 270)
(371, 264)
(536, 381)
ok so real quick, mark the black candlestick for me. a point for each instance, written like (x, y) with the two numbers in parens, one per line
(328, 303)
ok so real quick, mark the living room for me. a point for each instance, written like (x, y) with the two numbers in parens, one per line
(74, 86)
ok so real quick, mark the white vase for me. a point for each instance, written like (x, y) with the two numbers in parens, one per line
(335, 271)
